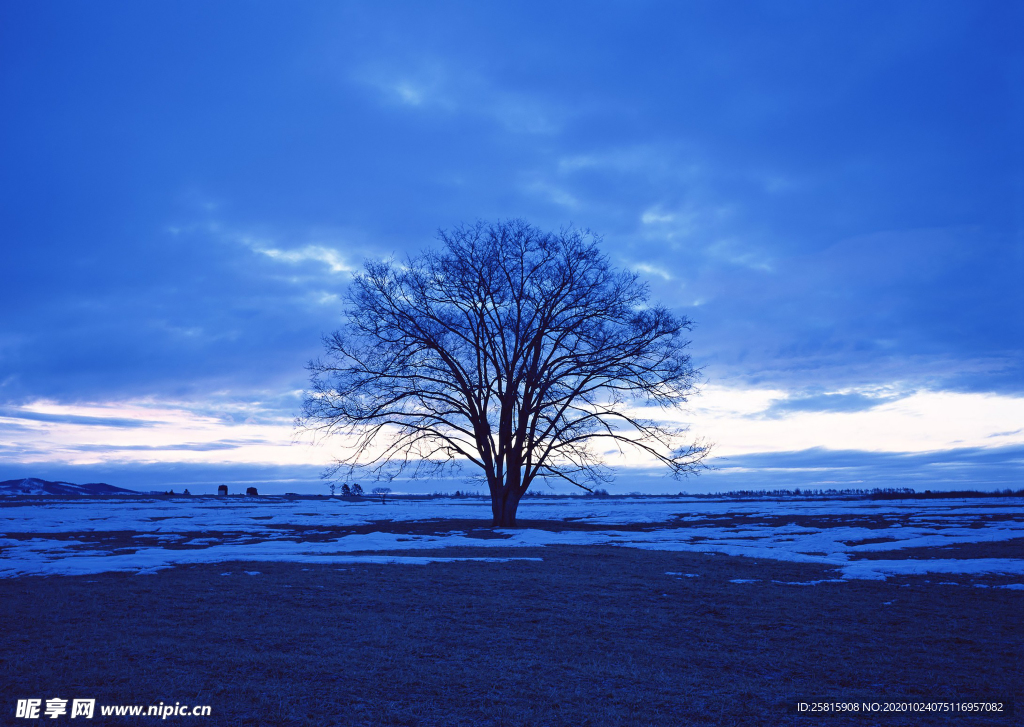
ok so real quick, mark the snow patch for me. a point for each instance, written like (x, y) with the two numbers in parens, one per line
(71, 537)
(879, 569)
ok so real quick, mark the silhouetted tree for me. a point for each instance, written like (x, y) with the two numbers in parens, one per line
(382, 493)
(509, 348)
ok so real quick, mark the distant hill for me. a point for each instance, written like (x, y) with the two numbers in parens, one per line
(33, 486)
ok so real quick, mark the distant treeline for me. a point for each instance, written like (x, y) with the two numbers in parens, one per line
(875, 493)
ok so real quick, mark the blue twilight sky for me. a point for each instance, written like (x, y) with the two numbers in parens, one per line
(833, 191)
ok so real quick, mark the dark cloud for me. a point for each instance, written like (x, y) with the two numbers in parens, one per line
(831, 191)
(91, 421)
(827, 402)
(967, 468)
(219, 445)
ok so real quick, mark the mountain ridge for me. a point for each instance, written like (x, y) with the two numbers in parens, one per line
(36, 486)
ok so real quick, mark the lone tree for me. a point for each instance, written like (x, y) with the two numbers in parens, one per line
(511, 349)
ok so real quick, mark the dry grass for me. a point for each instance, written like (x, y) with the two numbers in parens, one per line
(589, 636)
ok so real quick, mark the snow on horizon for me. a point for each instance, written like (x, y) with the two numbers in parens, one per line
(63, 538)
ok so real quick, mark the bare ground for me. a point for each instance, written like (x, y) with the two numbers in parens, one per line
(592, 635)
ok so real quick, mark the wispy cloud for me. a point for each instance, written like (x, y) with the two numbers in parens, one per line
(176, 447)
(832, 402)
(651, 269)
(771, 420)
(327, 254)
(88, 421)
(552, 193)
(823, 468)
(652, 162)
(702, 230)
(430, 85)
(330, 257)
(172, 432)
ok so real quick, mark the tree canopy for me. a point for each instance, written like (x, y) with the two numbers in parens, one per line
(510, 349)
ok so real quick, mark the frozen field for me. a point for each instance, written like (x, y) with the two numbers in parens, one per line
(861, 538)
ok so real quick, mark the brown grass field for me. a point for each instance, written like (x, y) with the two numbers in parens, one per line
(590, 636)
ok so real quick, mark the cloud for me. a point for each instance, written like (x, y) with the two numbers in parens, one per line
(743, 421)
(821, 468)
(552, 193)
(835, 402)
(328, 256)
(408, 93)
(650, 269)
(676, 161)
(182, 446)
(209, 307)
(423, 84)
(787, 296)
(325, 254)
(838, 204)
(89, 421)
(198, 432)
(432, 85)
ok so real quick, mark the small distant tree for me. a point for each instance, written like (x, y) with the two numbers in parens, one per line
(382, 493)
(346, 491)
(332, 486)
(357, 490)
(511, 349)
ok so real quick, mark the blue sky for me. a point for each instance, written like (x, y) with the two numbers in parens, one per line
(833, 191)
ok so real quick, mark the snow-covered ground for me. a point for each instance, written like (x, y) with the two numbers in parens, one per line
(143, 534)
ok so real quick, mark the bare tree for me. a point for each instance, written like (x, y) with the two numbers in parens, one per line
(382, 493)
(511, 349)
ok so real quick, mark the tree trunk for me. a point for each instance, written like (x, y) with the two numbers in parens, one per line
(504, 504)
